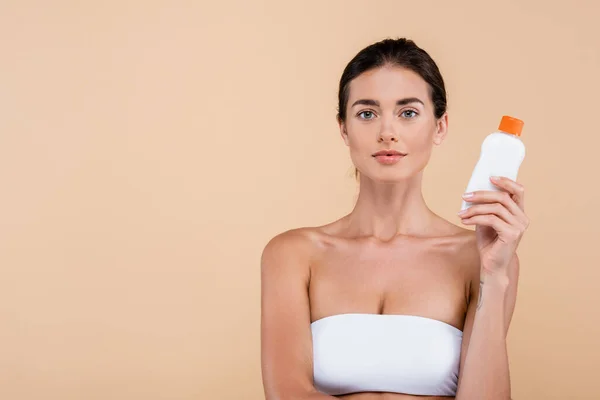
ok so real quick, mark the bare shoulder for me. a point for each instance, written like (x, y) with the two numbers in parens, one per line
(463, 239)
(295, 246)
(465, 255)
(467, 245)
(461, 247)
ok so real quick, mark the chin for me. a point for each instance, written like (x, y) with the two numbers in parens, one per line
(392, 175)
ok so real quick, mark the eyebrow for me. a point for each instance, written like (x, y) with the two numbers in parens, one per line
(401, 102)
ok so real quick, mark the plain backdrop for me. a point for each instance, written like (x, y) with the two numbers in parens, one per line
(149, 150)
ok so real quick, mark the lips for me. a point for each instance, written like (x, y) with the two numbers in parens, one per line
(388, 153)
(388, 157)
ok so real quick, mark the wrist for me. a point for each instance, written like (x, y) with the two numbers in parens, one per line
(496, 279)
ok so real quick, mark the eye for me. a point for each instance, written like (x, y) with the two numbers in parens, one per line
(367, 114)
(409, 114)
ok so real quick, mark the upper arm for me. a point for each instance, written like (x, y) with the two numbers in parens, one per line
(286, 340)
(469, 319)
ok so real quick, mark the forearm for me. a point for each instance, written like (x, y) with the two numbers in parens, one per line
(511, 292)
(486, 373)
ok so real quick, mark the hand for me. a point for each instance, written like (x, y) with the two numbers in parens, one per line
(500, 223)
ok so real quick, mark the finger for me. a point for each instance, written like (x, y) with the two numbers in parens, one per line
(490, 208)
(506, 232)
(492, 196)
(514, 188)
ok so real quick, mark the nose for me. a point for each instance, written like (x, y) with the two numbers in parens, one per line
(387, 132)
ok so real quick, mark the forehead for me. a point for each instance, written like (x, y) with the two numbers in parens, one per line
(388, 84)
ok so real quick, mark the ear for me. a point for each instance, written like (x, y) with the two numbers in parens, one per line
(343, 131)
(441, 129)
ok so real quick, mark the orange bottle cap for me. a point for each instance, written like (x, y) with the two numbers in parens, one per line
(511, 125)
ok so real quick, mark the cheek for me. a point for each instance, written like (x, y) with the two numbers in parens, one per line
(363, 139)
(420, 149)
(361, 152)
(420, 140)
(421, 146)
(424, 137)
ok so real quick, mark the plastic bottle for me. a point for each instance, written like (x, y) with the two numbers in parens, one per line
(502, 153)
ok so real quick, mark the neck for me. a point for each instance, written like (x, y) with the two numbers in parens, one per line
(386, 210)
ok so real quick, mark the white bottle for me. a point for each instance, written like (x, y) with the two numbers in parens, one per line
(501, 155)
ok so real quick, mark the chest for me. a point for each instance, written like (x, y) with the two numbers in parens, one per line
(421, 278)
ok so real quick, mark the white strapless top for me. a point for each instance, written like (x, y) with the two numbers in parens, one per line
(385, 353)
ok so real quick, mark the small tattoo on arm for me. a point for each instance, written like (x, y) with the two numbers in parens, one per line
(480, 299)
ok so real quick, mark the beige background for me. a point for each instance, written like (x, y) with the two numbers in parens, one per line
(148, 151)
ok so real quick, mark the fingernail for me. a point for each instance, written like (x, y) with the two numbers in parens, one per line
(467, 195)
(463, 212)
(495, 178)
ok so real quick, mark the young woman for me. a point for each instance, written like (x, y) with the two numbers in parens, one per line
(392, 301)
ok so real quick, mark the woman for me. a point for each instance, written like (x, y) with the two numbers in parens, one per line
(392, 301)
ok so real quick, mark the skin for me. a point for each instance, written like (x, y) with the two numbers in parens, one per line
(392, 254)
